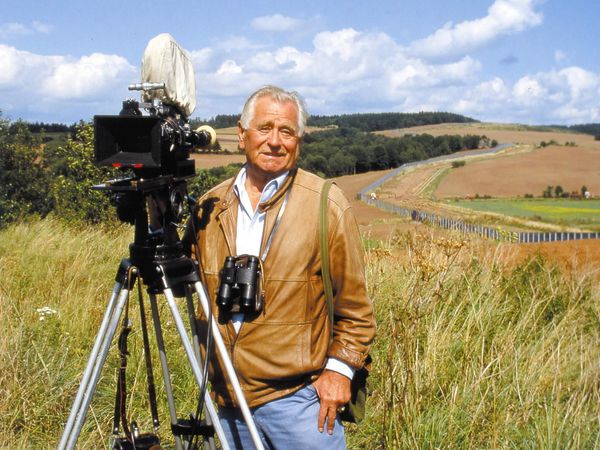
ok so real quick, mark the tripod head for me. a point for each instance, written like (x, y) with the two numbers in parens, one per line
(155, 207)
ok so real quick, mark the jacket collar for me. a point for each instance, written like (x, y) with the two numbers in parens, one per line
(230, 198)
(276, 198)
(228, 206)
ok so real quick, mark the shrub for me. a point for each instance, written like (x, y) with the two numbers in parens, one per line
(74, 174)
(23, 180)
(456, 164)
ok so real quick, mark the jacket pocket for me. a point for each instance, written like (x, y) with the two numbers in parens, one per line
(284, 352)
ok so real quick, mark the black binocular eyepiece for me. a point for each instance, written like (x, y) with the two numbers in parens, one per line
(239, 285)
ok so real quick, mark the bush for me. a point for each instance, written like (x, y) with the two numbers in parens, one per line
(456, 164)
(23, 180)
(74, 174)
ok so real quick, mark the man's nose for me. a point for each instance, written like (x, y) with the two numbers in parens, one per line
(274, 139)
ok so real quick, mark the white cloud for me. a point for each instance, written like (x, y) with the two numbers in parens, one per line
(275, 22)
(504, 17)
(528, 91)
(60, 77)
(86, 77)
(13, 29)
(229, 68)
(567, 96)
(53, 84)
(201, 58)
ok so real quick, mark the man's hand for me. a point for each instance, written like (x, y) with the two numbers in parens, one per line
(333, 390)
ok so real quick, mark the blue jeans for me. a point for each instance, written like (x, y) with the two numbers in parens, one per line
(284, 424)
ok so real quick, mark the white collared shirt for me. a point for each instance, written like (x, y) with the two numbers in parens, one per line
(249, 232)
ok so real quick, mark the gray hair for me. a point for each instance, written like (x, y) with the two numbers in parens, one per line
(279, 95)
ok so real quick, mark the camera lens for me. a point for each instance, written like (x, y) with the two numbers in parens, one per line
(248, 292)
(225, 297)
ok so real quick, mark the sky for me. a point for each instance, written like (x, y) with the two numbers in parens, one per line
(510, 61)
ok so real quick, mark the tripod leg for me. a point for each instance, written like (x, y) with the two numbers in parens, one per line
(94, 367)
(229, 368)
(160, 343)
(210, 442)
(195, 367)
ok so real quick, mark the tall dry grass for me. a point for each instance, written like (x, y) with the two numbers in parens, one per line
(56, 282)
(470, 353)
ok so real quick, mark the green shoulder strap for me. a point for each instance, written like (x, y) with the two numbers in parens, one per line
(323, 227)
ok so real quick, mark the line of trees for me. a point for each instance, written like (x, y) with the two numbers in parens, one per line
(558, 192)
(387, 121)
(588, 128)
(38, 127)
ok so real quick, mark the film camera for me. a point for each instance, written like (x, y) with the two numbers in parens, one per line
(158, 144)
(240, 285)
(154, 147)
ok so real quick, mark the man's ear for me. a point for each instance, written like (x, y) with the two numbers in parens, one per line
(241, 131)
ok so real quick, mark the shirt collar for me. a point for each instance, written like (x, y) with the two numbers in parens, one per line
(269, 190)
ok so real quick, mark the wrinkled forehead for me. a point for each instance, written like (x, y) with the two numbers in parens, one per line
(270, 110)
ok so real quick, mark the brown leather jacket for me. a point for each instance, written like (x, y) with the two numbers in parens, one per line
(286, 346)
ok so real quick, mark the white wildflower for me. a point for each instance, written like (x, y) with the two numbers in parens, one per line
(45, 312)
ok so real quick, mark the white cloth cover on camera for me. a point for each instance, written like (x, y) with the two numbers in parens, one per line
(164, 61)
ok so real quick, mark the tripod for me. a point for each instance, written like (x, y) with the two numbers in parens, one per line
(158, 260)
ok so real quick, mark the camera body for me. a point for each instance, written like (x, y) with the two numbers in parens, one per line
(240, 285)
(152, 145)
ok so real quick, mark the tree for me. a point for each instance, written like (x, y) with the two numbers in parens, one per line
(23, 180)
(315, 163)
(558, 191)
(471, 141)
(74, 174)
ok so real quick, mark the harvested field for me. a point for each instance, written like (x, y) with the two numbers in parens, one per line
(581, 256)
(210, 160)
(527, 173)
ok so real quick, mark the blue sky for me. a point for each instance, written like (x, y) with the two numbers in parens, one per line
(525, 61)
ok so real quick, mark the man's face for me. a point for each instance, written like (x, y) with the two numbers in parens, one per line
(271, 142)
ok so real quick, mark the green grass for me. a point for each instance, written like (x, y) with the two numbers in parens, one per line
(585, 213)
(470, 353)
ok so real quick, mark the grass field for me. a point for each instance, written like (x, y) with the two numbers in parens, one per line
(470, 353)
(583, 213)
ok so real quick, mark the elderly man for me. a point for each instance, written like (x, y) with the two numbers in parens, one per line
(293, 375)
